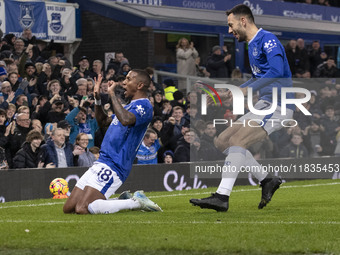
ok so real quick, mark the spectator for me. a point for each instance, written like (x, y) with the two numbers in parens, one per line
(63, 124)
(166, 109)
(43, 79)
(52, 111)
(3, 74)
(178, 99)
(110, 74)
(169, 89)
(17, 136)
(90, 86)
(150, 71)
(158, 101)
(95, 151)
(10, 40)
(80, 123)
(186, 55)
(301, 118)
(56, 152)
(125, 69)
(187, 148)
(157, 125)
(295, 149)
(327, 69)
(218, 64)
(97, 68)
(330, 123)
(10, 113)
(177, 114)
(302, 61)
(18, 49)
(83, 69)
(13, 80)
(201, 71)
(21, 100)
(314, 108)
(119, 61)
(208, 150)
(168, 157)
(82, 155)
(291, 53)
(314, 56)
(27, 156)
(147, 152)
(48, 129)
(318, 143)
(36, 125)
(28, 37)
(3, 138)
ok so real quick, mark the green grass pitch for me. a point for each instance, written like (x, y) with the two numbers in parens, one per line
(302, 218)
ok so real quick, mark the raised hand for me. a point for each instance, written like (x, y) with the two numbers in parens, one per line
(96, 88)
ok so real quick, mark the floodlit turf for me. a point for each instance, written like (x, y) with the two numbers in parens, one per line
(302, 218)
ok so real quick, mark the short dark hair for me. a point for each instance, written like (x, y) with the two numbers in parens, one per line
(34, 134)
(242, 9)
(148, 132)
(82, 109)
(143, 77)
(94, 150)
(3, 112)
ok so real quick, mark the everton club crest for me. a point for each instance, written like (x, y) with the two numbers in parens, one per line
(255, 52)
(56, 25)
(26, 18)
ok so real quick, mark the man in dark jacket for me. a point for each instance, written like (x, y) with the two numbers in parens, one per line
(27, 156)
(327, 69)
(57, 151)
(295, 149)
(208, 150)
(187, 148)
(218, 64)
(18, 137)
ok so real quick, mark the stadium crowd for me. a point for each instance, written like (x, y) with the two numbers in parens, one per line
(47, 108)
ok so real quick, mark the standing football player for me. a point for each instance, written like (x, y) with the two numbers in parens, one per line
(268, 63)
(127, 127)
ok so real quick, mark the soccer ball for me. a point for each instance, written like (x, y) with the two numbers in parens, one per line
(59, 186)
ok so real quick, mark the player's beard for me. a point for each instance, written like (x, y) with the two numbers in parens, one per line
(241, 36)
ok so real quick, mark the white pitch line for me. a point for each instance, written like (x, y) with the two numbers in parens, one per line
(186, 194)
(30, 205)
(177, 222)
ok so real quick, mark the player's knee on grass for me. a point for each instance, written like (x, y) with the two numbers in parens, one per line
(68, 209)
(81, 209)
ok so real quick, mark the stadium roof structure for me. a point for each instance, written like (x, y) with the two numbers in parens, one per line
(199, 20)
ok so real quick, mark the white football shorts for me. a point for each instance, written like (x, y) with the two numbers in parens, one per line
(102, 178)
(271, 122)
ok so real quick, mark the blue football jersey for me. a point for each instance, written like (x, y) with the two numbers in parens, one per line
(148, 155)
(261, 50)
(121, 143)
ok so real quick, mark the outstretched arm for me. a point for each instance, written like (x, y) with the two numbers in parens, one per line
(102, 119)
(124, 116)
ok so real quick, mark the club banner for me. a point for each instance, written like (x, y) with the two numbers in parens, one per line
(22, 15)
(61, 23)
(2, 16)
